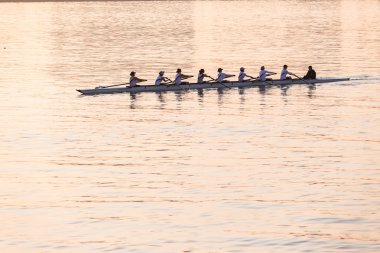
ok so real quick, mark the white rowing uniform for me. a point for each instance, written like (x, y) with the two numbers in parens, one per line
(221, 76)
(241, 76)
(200, 77)
(132, 81)
(284, 72)
(177, 79)
(159, 80)
(263, 74)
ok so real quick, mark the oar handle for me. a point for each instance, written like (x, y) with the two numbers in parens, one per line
(168, 83)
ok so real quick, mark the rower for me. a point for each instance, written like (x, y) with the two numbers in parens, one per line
(133, 80)
(264, 73)
(242, 75)
(202, 75)
(160, 78)
(310, 74)
(285, 72)
(179, 77)
(222, 76)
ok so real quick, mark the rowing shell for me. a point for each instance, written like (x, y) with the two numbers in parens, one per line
(191, 86)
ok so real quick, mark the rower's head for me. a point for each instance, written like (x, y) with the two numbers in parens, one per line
(285, 66)
(262, 68)
(161, 73)
(179, 70)
(242, 69)
(310, 67)
(220, 69)
(133, 73)
(201, 71)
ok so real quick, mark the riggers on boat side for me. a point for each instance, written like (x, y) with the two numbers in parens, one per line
(191, 86)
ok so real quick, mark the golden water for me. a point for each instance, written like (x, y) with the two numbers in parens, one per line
(213, 171)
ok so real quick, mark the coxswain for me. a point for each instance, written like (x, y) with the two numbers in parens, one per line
(264, 73)
(133, 80)
(285, 73)
(222, 76)
(310, 74)
(179, 77)
(242, 75)
(161, 78)
(202, 75)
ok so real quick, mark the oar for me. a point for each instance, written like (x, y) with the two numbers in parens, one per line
(267, 81)
(212, 79)
(142, 80)
(183, 88)
(188, 77)
(101, 87)
(173, 82)
(223, 83)
(302, 79)
(169, 83)
(216, 81)
(252, 79)
(258, 79)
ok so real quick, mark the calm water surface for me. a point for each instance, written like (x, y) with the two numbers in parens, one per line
(213, 171)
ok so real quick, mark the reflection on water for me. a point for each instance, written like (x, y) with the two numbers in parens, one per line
(229, 170)
(200, 93)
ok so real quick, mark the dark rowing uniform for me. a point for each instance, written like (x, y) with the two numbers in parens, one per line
(310, 74)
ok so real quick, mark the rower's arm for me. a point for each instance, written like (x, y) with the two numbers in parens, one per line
(140, 80)
(185, 76)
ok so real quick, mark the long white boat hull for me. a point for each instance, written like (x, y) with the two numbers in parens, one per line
(191, 86)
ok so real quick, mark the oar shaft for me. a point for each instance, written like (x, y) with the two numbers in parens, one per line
(115, 85)
(216, 81)
(302, 79)
(224, 85)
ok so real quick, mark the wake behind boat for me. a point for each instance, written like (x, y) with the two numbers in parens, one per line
(206, 85)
